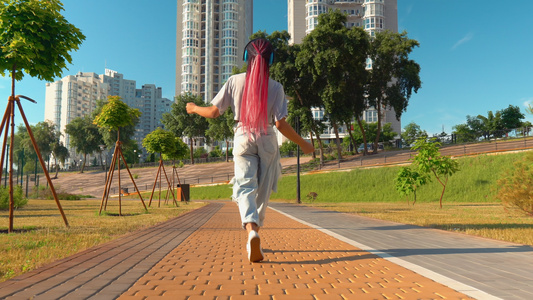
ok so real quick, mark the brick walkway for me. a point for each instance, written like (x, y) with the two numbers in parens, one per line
(301, 263)
(326, 255)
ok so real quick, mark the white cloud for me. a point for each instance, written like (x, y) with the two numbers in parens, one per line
(465, 39)
(527, 101)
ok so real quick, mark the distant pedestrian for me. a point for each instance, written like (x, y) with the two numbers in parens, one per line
(257, 102)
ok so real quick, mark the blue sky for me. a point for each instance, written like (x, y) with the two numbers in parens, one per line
(475, 55)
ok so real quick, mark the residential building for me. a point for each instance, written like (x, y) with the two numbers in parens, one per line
(72, 97)
(150, 102)
(373, 15)
(76, 95)
(210, 38)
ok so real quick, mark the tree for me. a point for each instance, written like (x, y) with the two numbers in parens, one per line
(45, 135)
(408, 181)
(221, 128)
(428, 160)
(393, 76)
(60, 153)
(297, 85)
(180, 150)
(84, 137)
(126, 132)
(335, 56)
(464, 133)
(412, 132)
(160, 141)
(511, 118)
(179, 122)
(35, 38)
(116, 115)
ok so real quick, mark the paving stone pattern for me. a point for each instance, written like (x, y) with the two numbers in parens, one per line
(108, 270)
(301, 263)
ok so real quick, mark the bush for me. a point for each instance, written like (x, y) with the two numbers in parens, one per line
(216, 152)
(200, 153)
(287, 147)
(516, 185)
(18, 197)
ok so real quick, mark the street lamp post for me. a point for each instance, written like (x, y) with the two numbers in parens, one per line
(134, 157)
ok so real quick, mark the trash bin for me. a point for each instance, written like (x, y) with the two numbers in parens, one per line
(124, 191)
(183, 192)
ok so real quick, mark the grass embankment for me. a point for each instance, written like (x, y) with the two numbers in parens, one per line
(41, 236)
(469, 202)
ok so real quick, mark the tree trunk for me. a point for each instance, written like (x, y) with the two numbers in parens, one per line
(83, 164)
(363, 133)
(349, 127)
(337, 141)
(320, 146)
(312, 143)
(192, 153)
(57, 168)
(376, 141)
(227, 151)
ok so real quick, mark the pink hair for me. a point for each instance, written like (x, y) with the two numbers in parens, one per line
(254, 109)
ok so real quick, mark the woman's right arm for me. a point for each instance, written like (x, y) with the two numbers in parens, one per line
(204, 111)
(287, 130)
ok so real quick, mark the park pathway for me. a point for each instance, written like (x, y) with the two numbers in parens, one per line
(328, 256)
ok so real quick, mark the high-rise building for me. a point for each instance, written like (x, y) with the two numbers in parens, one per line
(76, 95)
(72, 97)
(373, 15)
(150, 102)
(210, 38)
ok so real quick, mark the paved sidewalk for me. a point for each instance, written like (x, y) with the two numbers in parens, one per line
(301, 263)
(201, 255)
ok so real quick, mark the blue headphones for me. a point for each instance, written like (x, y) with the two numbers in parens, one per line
(245, 55)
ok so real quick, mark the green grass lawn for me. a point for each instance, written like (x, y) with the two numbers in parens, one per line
(474, 182)
(469, 207)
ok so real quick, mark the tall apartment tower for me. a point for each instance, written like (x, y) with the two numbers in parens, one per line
(373, 15)
(152, 105)
(210, 38)
(72, 97)
(76, 95)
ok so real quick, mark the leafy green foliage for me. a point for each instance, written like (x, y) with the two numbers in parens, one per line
(116, 114)
(200, 152)
(160, 141)
(18, 197)
(84, 136)
(335, 56)
(36, 38)
(408, 181)
(428, 160)
(494, 125)
(217, 152)
(412, 132)
(288, 147)
(515, 187)
(393, 77)
(180, 123)
(221, 128)
(180, 150)
(126, 132)
(60, 153)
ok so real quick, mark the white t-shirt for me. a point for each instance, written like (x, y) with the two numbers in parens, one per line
(231, 95)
